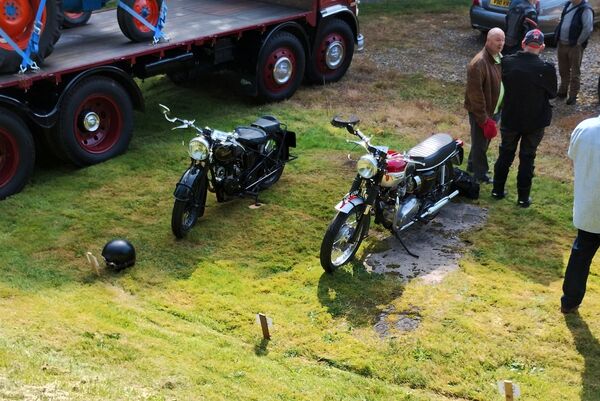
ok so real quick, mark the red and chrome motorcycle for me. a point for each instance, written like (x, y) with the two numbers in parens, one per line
(399, 189)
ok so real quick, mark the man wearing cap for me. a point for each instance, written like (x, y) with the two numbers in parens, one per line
(529, 84)
(584, 150)
(572, 34)
(483, 98)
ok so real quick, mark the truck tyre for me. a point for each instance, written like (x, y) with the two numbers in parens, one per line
(17, 154)
(134, 29)
(75, 19)
(17, 18)
(331, 53)
(280, 68)
(95, 122)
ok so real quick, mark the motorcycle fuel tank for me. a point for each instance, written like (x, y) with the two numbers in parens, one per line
(395, 170)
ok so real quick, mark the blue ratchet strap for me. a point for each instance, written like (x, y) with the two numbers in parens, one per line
(16, 48)
(34, 40)
(157, 30)
(162, 19)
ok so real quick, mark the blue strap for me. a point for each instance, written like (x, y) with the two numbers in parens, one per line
(16, 48)
(158, 29)
(162, 18)
(34, 40)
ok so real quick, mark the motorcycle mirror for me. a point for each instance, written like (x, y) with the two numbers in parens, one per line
(165, 110)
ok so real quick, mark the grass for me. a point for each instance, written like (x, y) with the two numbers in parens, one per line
(181, 323)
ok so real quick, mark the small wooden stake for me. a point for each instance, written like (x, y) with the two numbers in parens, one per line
(265, 326)
(508, 390)
(93, 261)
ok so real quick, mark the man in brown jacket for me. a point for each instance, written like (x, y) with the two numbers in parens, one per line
(483, 98)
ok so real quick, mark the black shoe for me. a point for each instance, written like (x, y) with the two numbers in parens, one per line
(571, 100)
(524, 203)
(567, 310)
(498, 195)
(485, 180)
(561, 95)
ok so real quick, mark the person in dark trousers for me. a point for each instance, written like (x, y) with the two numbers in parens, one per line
(584, 150)
(529, 83)
(483, 98)
(520, 19)
(572, 34)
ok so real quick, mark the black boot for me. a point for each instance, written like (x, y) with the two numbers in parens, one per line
(498, 192)
(524, 199)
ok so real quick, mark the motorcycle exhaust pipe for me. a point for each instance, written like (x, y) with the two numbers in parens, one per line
(439, 204)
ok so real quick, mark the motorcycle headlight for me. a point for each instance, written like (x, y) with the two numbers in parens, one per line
(367, 166)
(198, 148)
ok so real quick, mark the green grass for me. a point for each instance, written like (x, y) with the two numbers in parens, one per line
(181, 323)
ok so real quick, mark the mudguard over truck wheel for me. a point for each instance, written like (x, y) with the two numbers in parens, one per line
(17, 154)
(75, 19)
(280, 68)
(134, 29)
(17, 19)
(95, 122)
(332, 52)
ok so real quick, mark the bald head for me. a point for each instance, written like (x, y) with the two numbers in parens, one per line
(495, 41)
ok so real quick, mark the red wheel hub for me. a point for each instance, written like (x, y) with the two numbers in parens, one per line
(9, 157)
(98, 123)
(331, 53)
(280, 69)
(16, 19)
(149, 10)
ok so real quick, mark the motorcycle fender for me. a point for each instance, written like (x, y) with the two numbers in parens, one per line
(183, 189)
(347, 204)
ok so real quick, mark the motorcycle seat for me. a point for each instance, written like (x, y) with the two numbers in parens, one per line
(268, 124)
(251, 136)
(433, 150)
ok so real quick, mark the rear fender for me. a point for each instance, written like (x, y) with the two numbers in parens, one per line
(348, 203)
(184, 188)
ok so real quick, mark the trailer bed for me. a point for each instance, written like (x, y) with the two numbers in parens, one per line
(189, 22)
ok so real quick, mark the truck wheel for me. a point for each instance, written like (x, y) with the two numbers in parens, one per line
(17, 154)
(17, 18)
(134, 29)
(95, 122)
(75, 19)
(332, 52)
(280, 68)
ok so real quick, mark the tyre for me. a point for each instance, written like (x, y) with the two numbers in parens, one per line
(273, 165)
(17, 154)
(134, 29)
(17, 20)
(332, 52)
(186, 213)
(95, 122)
(336, 248)
(280, 69)
(75, 19)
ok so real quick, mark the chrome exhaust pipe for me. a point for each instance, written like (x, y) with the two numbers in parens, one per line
(439, 204)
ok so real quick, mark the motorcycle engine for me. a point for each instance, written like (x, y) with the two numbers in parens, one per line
(397, 212)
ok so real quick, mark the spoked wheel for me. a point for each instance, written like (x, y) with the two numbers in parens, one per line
(332, 52)
(135, 30)
(281, 66)
(17, 18)
(17, 154)
(273, 165)
(186, 213)
(95, 122)
(75, 19)
(342, 239)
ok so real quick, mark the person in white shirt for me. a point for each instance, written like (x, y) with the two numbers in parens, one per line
(584, 150)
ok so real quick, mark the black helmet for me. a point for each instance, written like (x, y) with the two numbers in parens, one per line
(118, 254)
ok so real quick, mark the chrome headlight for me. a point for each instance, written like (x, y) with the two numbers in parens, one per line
(198, 148)
(367, 166)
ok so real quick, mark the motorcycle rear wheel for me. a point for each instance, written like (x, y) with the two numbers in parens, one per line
(186, 213)
(336, 250)
(273, 166)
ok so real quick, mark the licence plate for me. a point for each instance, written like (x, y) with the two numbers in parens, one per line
(500, 3)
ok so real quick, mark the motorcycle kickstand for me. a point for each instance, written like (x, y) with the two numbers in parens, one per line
(405, 247)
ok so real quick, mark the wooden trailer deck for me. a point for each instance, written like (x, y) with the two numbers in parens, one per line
(189, 22)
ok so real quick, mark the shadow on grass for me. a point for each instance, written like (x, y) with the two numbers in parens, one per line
(357, 295)
(261, 349)
(589, 347)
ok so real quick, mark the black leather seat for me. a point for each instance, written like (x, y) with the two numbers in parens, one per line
(251, 136)
(268, 124)
(433, 150)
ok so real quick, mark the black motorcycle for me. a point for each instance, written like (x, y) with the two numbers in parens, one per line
(399, 189)
(230, 164)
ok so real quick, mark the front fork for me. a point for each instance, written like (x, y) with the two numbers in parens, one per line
(355, 199)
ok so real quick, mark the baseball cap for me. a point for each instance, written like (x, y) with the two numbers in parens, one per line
(534, 38)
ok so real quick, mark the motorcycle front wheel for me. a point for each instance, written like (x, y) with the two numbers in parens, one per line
(186, 213)
(342, 239)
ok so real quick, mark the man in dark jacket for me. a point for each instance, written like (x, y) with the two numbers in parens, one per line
(529, 84)
(520, 19)
(572, 34)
